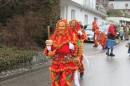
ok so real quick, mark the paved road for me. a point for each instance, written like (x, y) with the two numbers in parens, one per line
(103, 70)
(108, 71)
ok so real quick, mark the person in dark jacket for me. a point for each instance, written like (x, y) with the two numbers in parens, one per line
(110, 42)
(81, 26)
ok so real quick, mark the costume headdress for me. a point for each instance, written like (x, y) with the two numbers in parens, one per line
(67, 34)
(95, 26)
(77, 26)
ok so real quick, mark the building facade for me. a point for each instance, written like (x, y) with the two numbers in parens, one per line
(123, 5)
(82, 10)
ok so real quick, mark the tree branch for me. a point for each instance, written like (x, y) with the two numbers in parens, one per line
(5, 4)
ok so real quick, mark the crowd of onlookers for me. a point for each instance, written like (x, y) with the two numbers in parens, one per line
(123, 32)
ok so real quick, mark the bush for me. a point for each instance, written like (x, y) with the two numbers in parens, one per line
(114, 12)
(27, 21)
(11, 57)
(22, 31)
(25, 24)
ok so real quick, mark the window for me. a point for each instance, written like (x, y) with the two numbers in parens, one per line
(72, 14)
(86, 2)
(85, 20)
(95, 19)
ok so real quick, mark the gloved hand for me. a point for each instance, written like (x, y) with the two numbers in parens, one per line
(71, 46)
(79, 32)
(48, 48)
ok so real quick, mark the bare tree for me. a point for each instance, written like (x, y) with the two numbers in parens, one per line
(4, 2)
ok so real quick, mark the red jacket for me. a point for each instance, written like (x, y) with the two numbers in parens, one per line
(111, 30)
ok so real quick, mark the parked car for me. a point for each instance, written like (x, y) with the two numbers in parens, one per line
(89, 33)
(104, 28)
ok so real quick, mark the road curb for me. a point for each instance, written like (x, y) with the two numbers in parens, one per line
(22, 73)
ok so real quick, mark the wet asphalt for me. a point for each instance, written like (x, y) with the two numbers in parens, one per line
(102, 71)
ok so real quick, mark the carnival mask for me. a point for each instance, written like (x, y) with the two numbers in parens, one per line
(72, 24)
(61, 28)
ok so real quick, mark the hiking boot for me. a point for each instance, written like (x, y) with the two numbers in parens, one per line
(81, 74)
(107, 53)
(111, 54)
(95, 46)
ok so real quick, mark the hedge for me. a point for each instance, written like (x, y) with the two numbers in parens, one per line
(11, 57)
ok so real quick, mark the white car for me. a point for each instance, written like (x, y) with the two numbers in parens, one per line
(90, 34)
(104, 28)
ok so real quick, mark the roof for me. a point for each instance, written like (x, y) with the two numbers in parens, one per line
(117, 19)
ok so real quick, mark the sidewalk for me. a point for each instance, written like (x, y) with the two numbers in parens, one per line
(37, 78)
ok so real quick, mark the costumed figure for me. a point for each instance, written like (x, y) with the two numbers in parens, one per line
(95, 29)
(110, 42)
(81, 36)
(62, 49)
(102, 39)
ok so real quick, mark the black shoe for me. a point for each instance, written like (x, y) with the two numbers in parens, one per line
(107, 53)
(111, 54)
(81, 74)
(103, 49)
(95, 46)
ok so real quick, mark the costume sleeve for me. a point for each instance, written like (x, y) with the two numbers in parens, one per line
(74, 51)
(83, 36)
(74, 41)
(45, 51)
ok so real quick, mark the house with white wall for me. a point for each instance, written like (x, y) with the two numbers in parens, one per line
(82, 10)
(123, 5)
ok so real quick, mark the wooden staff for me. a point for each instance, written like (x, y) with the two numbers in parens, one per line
(48, 32)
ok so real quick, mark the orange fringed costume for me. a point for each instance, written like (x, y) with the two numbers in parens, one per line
(81, 38)
(63, 66)
(102, 39)
(95, 28)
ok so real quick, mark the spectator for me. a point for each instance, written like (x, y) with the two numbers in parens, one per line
(81, 26)
(85, 26)
(110, 42)
(126, 32)
(121, 33)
